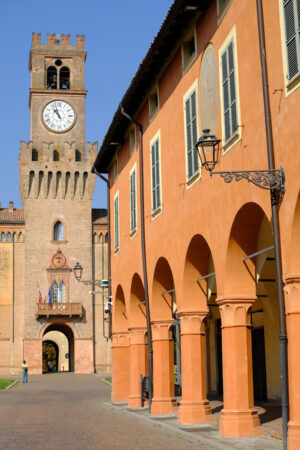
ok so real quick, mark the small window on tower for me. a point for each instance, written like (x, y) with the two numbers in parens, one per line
(64, 78)
(34, 155)
(51, 78)
(55, 155)
(58, 231)
(77, 155)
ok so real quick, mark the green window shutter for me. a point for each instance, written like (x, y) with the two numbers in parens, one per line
(116, 222)
(155, 167)
(191, 134)
(229, 92)
(292, 30)
(132, 202)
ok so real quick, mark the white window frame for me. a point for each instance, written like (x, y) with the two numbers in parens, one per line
(133, 229)
(157, 211)
(289, 85)
(237, 135)
(117, 221)
(186, 63)
(197, 174)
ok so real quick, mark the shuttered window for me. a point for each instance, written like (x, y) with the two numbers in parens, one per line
(133, 200)
(191, 135)
(116, 216)
(155, 174)
(292, 35)
(229, 92)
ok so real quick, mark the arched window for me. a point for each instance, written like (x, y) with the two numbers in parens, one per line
(62, 293)
(101, 238)
(34, 155)
(8, 238)
(55, 155)
(20, 237)
(14, 237)
(3, 237)
(54, 293)
(58, 231)
(64, 78)
(77, 155)
(51, 78)
(106, 238)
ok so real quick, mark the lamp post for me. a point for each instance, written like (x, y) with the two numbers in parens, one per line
(273, 180)
(78, 269)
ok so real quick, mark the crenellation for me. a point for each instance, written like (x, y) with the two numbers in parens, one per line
(57, 42)
(80, 39)
(65, 40)
(36, 40)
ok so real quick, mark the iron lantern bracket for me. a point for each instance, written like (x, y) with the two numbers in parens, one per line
(273, 179)
(97, 283)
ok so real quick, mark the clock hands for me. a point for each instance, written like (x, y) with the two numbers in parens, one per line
(56, 111)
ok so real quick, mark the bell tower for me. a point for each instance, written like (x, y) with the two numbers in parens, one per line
(56, 186)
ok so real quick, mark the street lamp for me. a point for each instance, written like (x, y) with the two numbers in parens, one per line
(208, 147)
(78, 269)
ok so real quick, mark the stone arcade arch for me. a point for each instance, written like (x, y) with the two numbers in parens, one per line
(138, 342)
(163, 303)
(120, 349)
(193, 313)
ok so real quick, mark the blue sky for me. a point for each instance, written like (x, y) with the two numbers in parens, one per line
(118, 35)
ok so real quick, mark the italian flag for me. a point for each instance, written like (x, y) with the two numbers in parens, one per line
(40, 296)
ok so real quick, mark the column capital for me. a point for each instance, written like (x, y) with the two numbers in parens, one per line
(160, 329)
(137, 335)
(234, 310)
(120, 339)
(191, 322)
(292, 278)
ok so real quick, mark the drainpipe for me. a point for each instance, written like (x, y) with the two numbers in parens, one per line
(276, 230)
(93, 304)
(108, 251)
(13, 307)
(149, 331)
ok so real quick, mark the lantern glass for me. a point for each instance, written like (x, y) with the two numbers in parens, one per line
(77, 269)
(208, 146)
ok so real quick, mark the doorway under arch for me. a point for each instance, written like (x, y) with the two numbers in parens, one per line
(61, 335)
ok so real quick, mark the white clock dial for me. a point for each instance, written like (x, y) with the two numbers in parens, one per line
(58, 116)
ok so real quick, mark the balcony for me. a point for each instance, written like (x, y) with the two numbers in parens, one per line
(59, 309)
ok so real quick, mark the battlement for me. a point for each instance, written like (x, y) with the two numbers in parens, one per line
(57, 42)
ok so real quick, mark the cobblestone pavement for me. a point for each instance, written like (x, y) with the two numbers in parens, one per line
(70, 411)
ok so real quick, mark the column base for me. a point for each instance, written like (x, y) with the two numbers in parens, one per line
(293, 435)
(134, 401)
(240, 423)
(194, 412)
(163, 405)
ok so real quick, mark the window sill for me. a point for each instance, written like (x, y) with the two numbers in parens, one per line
(293, 84)
(193, 179)
(59, 242)
(133, 233)
(156, 213)
(231, 142)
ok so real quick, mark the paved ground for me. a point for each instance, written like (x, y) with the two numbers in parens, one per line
(70, 411)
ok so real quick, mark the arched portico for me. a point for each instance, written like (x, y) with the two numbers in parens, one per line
(66, 345)
(239, 418)
(163, 304)
(194, 406)
(120, 349)
(138, 345)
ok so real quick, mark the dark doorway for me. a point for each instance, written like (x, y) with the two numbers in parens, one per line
(50, 357)
(219, 357)
(69, 335)
(259, 364)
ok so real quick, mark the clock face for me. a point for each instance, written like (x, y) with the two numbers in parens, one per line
(58, 116)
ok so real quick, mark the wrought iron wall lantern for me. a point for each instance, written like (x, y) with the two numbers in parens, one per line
(78, 269)
(208, 147)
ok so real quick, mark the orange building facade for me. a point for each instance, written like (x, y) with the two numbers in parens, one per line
(213, 301)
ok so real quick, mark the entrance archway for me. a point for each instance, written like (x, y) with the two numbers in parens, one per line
(50, 356)
(62, 338)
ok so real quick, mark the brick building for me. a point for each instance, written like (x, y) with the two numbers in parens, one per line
(200, 252)
(43, 308)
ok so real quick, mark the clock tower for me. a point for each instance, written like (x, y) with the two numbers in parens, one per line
(57, 186)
